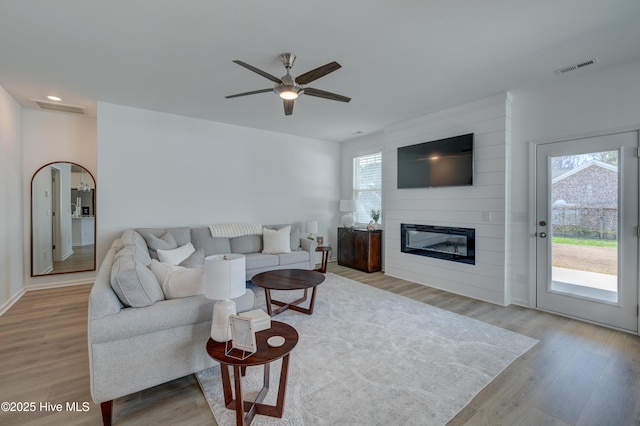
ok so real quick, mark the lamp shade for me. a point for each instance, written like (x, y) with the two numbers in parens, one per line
(311, 226)
(224, 276)
(347, 206)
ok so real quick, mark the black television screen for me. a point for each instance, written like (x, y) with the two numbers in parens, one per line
(445, 162)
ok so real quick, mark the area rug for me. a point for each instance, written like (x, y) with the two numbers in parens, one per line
(370, 357)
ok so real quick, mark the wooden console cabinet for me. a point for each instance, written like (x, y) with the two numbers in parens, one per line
(360, 249)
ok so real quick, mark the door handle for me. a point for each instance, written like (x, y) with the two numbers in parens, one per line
(542, 235)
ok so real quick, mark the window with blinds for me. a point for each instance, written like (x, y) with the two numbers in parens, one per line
(367, 185)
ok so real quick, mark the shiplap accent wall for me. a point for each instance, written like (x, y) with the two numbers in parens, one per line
(483, 206)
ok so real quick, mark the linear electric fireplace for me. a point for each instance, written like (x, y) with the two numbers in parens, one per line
(442, 242)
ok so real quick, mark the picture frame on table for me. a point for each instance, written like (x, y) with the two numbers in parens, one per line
(243, 337)
(320, 240)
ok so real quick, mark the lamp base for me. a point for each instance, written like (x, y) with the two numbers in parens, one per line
(348, 220)
(220, 329)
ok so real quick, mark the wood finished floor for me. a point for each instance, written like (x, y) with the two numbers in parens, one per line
(579, 374)
(82, 259)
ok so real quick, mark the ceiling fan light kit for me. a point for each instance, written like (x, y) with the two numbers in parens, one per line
(289, 87)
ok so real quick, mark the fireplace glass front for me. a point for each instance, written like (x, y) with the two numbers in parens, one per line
(442, 242)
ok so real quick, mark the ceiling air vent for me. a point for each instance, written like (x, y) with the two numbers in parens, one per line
(56, 106)
(576, 66)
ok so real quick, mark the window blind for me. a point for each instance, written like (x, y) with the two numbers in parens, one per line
(367, 185)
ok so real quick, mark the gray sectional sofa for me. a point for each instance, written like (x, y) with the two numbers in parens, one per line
(138, 339)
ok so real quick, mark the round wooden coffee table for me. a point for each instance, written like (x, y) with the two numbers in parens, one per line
(264, 355)
(289, 279)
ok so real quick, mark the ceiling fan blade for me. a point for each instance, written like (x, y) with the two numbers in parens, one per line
(327, 95)
(249, 93)
(288, 106)
(258, 71)
(315, 74)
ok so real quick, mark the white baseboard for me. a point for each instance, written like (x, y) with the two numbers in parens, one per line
(520, 302)
(9, 303)
(67, 255)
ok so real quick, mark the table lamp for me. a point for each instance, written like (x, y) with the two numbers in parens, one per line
(347, 206)
(224, 279)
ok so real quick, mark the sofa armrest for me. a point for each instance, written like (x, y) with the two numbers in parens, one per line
(309, 245)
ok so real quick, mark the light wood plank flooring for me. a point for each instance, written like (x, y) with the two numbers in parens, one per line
(579, 374)
(82, 259)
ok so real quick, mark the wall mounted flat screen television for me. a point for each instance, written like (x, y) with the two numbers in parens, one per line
(445, 162)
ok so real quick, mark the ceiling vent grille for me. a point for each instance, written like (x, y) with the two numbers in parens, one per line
(55, 106)
(576, 66)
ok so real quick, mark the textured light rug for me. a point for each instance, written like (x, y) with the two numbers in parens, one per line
(370, 357)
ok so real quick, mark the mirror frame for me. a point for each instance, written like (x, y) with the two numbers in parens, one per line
(95, 218)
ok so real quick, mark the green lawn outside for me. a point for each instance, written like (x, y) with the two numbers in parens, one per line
(585, 242)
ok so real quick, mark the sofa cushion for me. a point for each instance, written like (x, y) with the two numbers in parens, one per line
(246, 244)
(276, 241)
(164, 315)
(195, 259)
(177, 255)
(202, 239)
(178, 281)
(134, 284)
(259, 260)
(295, 256)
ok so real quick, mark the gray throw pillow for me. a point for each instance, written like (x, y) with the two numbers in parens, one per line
(163, 242)
(195, 259)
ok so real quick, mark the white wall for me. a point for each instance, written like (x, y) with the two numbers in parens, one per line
(11, 209)
(159, 170)
(483, 206)
(42, 234)
(584, 104)
(53, 137)
(64, 211)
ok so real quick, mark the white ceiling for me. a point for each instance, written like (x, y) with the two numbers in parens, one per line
(400, 59)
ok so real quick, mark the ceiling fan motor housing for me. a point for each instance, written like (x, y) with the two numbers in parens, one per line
(288, 59)
(288, 89)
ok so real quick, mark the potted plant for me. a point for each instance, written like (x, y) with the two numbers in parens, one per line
(375, 215)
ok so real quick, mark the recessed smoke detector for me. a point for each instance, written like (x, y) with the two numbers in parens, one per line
(57, 106)
(575, 66)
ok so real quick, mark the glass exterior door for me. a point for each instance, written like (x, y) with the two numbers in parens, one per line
(586, 238)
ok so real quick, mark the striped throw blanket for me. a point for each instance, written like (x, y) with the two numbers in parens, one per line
(232, 230)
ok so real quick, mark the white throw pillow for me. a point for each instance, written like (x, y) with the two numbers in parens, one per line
(161, 270)
(276, 241)
(178, 281)
(175, 256)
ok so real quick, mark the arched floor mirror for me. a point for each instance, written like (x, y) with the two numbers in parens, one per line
(63, 220)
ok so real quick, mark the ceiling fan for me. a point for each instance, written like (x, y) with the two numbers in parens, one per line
(289, 87)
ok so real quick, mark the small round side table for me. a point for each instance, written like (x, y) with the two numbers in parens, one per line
(325, 258)
(264, 355)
